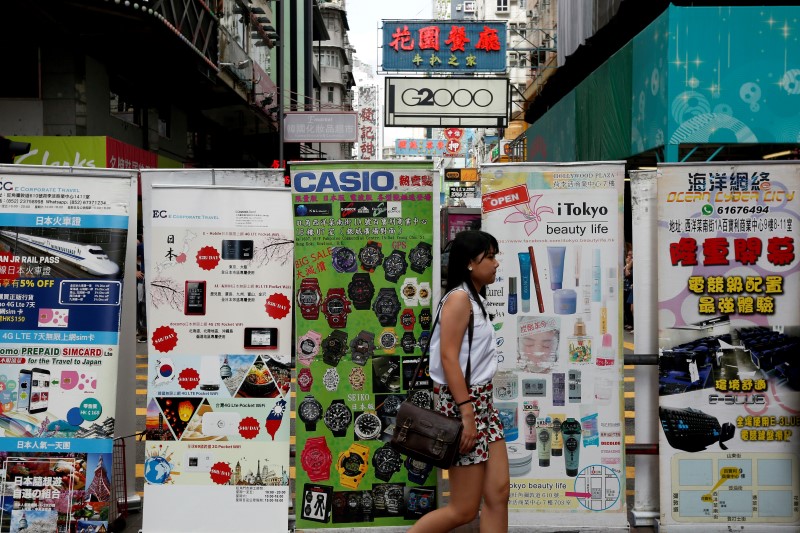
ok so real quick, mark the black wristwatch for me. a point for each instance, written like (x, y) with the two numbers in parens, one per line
(391, 405)
(420, 257)
(395, 265)
(424, 339)
(344, 259)
(386, 307)
(418, 471)
(362, 347)
(361, 290)
(310, 411)
(386, 461)
(337, 417)
(334, 347)
(367, 426)
(425, 319)
(408, 342)
(371, 256)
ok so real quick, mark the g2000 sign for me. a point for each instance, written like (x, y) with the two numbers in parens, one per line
(445, 97)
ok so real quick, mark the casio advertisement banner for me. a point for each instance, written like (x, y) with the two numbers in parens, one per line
(729, 332)
(219, 295)
(557, 307)
(63, 241)
(364, 305)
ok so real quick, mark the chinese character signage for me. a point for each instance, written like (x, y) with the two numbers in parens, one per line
(317, 126)
(438, 46)
(219, 293)
(557, 312)
(729, 331)
(428, 147)
(363, 271)
(368, 141)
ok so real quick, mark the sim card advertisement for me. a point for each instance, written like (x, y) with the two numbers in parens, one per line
(219, 296)
(364, 310)
(729, 332)
(557, 318)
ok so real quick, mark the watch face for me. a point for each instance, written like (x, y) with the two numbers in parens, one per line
(425, 318)
(335, 306)
(308, 346)
(391, 405)
(388, 340)
(367, 426)
(338, 416)
(357, 378)
(420, 256)
(304, 379)
(308, 297)
(407, 319)
(424, 293)
(361, 290)
(370, 256)
(351, 464)
(344, 259)
(310, 410)
(416, 466)
(335, 345)
(394, 265)
(409, 290)
(386, 305)
(387, 460)
(408, 342)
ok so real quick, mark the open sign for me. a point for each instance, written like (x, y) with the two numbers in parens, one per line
(501, 199)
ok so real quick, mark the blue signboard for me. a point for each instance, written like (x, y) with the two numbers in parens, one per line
(439, 46)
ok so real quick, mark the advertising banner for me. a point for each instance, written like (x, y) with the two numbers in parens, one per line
(557, 313)
(429, 147)
(219, 294)
(363, 270)
(368, 130)
(729, 331)
(62, 256)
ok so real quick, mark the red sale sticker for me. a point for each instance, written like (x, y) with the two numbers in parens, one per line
(188, 378)
(278, 305)
(164, 339)
(249, 427)
(516, 195)
(221, 473)
(207, 258)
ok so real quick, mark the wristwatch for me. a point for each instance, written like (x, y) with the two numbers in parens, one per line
(331, 380)
(309, 411)
(407, 319)
(367, 426)
(308, 347)
(386, 307)
(336, 307)
(308, 298)
(408, 342)
(418, 471)
(394, 499)
(423, 340)
(344, 259)
(425, 319)
(370, 256)
(316, 459)
(424, 293)
(334, 347)
(420, 257)
(338, 417)
(422, 398)
(394, 265)
(305, 379)
(361, 290)
(362, 347)
(379, 496)
(388, 340)
(390, 376)
(357, 378)
(391, 405)
(352, 465)
(408, 290)
(386, 461)
(366, 505)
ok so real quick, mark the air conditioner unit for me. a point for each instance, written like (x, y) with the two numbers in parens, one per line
(458, 7)
(469, 7)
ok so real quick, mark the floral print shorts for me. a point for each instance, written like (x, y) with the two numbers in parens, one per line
(487, 420)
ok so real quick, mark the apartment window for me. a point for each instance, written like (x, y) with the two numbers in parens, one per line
(329, 58)
(317, 96)
(164, 122)
(330, 95)
(512, 59)
(125, 109)
(522, 60)
(502, 5)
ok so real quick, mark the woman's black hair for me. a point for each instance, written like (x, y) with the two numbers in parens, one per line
(466, 246)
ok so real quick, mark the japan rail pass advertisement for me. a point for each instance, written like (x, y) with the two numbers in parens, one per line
(729, 335)
(364, 311)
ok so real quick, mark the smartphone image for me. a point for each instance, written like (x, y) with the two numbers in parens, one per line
(24, 401)
(237, 249)
(40, 390)
(195, 298)
(261, 338)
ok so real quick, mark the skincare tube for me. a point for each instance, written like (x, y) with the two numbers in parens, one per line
(586, 292)
(571, 429)
(596, 281)
(512, 295)
(557, 444)
(578, 272)
(530, 431)
(544, 436)
(603, 317)
(611, 283)
(525, 280)
(556, 256)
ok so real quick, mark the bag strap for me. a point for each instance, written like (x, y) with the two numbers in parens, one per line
(426, 358)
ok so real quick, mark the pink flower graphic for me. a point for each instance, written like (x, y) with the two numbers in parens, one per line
(528, 214)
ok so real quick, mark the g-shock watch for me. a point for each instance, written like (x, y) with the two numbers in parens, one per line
(316, 459)
(424, 339)
(361, 290)
(367, 426)
(387, 340)
(407, 319)
(395, 265)
(336, 307)
(331, 380)
(308, 298)
(310, 411)
(357, 378)
(386, 307)
(424, 293)
(420, 257)
(334, 347)
(305, 379)
(425, 319)
(418, 471)
(386, 461)
(308, 347)
(408, 290)
(394, 499)
(408, 342)
(337, 417)
(344, 259)
(362, 347)
(371, 256)
(352, 465)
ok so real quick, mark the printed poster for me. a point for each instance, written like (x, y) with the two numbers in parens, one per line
(729, 331)
(364, 310)
(557, 315)
(62, 256)
(219, 292)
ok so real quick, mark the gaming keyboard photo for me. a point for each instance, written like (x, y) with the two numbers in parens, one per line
(691, 430)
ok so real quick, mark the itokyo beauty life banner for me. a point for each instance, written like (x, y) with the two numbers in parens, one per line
(557, 315)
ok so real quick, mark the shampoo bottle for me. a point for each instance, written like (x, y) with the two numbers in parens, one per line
(571, 429)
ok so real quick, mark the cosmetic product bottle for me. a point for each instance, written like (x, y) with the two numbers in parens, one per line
(596, 281)
(557, 443)
(603, 316)
(606, 355)
(525, 280)
(579, 344)
(611, 283)
(565, 301)
(530, 431)
(558, 389)
(578, 272)
(604, 383)
(571, 430)
(574, 385)
(512, 295)
(555, 255)
(507, 412)
(586, 292)
(589, 425)
(544, 436)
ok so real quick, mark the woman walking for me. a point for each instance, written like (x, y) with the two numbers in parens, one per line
(480, 472)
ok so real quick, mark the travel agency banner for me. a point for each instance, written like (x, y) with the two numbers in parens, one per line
(557, 314)
(63, 236)
(729, 333)
(363, 271)
(219, 295)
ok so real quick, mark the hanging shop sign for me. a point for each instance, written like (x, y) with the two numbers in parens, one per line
(368, 131)
(317, 126)
(559, 333)
(463, 192)
(729, 328)
(429, 147)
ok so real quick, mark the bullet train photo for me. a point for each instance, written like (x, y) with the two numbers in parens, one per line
(89, 257)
